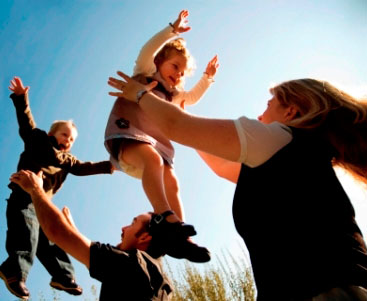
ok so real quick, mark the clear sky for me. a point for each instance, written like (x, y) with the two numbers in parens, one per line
(66, 50)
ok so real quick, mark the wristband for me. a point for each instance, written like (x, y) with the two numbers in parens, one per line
(139, 95)
(173, 28)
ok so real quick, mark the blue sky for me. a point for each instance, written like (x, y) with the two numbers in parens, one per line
(66, 50)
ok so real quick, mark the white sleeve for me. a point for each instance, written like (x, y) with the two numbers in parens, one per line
(259, 141)
(193, 96)
(144, 64)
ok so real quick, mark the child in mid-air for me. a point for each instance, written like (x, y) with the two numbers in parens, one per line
(139, 148)
(48, 152)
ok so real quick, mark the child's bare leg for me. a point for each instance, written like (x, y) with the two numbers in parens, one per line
(171, 236)
(172, 192)
(145, 157)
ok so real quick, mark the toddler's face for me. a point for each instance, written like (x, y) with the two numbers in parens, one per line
(173, 69)
(65, 136)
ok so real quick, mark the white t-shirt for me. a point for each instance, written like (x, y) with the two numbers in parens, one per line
(259, 141)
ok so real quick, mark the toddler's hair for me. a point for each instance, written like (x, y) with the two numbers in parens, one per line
(57, 123)
(176, 46)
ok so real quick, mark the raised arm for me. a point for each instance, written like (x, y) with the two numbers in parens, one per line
(196, 93)
(144, 64)
(22, 108)
(54, 223)
(215, 136)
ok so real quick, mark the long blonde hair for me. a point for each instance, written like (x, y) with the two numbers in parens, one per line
(343, 117)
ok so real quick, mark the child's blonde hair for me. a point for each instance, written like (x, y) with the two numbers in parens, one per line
(57, 123)
(175, 47)
(341, 116)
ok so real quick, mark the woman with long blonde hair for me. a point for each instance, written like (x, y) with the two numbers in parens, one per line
(289, 207)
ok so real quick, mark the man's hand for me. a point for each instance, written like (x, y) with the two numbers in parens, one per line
(66, 212)
(27, 180)
(179, 25)
(17, 86)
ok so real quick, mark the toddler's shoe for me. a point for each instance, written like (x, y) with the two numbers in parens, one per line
(15, 285)
(68, 285)
(174, 240)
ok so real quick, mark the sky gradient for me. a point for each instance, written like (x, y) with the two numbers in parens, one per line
(66, 50)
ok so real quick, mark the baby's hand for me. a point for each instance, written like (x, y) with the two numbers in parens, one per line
(212, 67)
(179, 25)
(17, 86)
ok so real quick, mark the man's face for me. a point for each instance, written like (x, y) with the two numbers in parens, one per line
(65, 136)
(129, 236)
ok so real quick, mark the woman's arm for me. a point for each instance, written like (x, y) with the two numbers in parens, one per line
(215, 136)
(223, 168)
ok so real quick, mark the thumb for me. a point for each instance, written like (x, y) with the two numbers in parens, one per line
(151, 85)
(40, 174)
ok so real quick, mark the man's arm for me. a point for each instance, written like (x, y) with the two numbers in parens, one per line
(54, 223)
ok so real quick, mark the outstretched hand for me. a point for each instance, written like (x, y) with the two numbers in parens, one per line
(179, 25)
(211, 68)
(66, 212)
(27, 180)
(128, 86)
(17, 86)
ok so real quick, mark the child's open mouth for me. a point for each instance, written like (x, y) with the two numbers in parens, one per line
(173, 80)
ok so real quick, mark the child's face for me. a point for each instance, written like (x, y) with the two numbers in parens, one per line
(173, 69)
(65, 136)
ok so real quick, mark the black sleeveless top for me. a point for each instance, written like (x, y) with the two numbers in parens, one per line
(298, 223)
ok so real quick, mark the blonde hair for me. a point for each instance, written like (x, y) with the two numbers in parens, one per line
(175, 47)
(57, 123)
(341, 116)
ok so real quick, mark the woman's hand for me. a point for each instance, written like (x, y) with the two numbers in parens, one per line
(179, 25)
(129, 87)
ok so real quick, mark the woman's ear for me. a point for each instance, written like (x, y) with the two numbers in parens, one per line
(291, 113)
